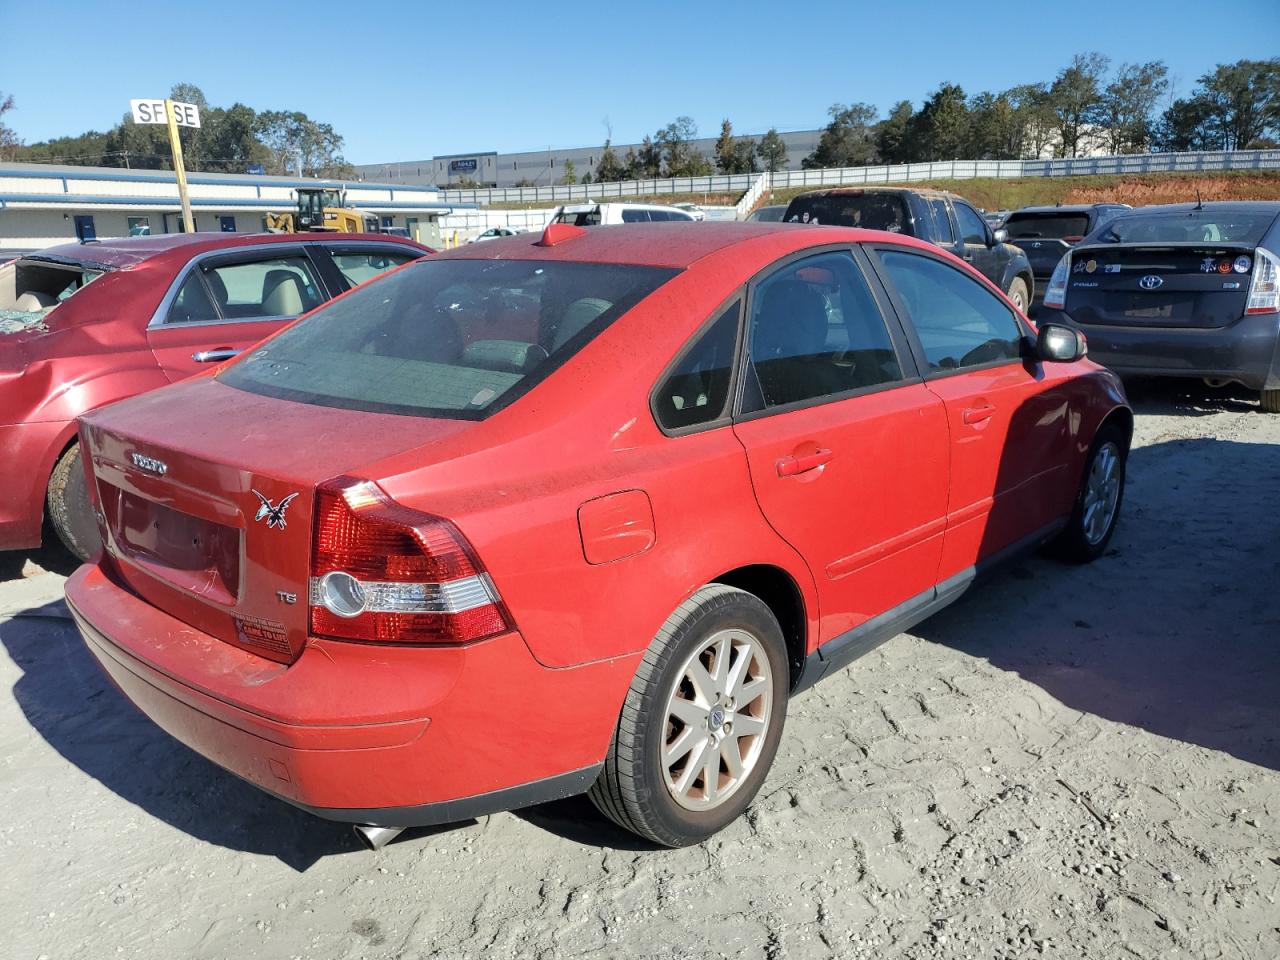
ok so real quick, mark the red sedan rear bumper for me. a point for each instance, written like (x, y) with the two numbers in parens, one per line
(366, 733)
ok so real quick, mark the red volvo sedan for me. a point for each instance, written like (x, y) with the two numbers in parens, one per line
(579, 512)
(82, 325)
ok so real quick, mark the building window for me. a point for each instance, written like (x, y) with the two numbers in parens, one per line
(227, 224)
(139, 226)
(85, 230)
(388, 222)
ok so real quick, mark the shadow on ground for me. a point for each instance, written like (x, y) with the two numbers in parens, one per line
(1177, 628)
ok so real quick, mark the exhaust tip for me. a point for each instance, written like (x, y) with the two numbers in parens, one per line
(375, 838)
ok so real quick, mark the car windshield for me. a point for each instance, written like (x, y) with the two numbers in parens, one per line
(31, 287)
(871, 211)
(1192, 226)
(1047, 226)
(445, 338)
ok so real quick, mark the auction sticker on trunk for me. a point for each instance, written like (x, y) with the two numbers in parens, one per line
(257, 632)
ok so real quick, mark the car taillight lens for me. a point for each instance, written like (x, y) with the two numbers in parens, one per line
(1073, 238)
(1055, 295)
(384, 573)
(1264, 289)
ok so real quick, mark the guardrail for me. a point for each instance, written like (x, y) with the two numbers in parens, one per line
(760, 183)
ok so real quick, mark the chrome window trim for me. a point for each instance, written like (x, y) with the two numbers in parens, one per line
(166, 302)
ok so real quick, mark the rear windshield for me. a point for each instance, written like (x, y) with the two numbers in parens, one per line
(579, 218)
(1047, 226)
(1193, 226)
(870, 211)
(445, 338)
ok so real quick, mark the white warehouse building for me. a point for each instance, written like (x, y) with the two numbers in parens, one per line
(42, 204)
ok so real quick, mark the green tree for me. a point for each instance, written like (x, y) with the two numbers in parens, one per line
(772, 151)
(293, 140)
(679, 156)
(847, 140)
(725, 158)
(1243, 100)
(940, 131)
(570, 175)
(647, 163)
(1188, 125)
(609, 168)
(1128, 105)
(893, 138)
(1035, 118)
(1076, 98)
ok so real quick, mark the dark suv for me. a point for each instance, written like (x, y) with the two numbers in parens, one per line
(1046, 233)
(942, 218)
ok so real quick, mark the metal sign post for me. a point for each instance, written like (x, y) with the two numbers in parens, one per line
(173, 115)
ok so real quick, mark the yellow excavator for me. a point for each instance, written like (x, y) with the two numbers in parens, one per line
(322, 209)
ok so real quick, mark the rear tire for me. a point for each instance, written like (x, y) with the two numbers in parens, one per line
(1097, 507)
(701, 723)
(1271, 401)
(1018, 294)
(70, 513)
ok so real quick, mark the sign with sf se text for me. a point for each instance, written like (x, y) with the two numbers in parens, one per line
(152, 111)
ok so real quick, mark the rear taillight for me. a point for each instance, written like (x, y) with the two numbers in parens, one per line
(384, 573)
(1055, 295)
(1073, 239)
(1264, 289)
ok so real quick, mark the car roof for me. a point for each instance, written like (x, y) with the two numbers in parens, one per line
(851, 191)
(675, 245)
(1213, 206)
(130, 251)
(1068, 208)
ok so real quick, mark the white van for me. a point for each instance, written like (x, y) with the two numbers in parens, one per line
(606, 214)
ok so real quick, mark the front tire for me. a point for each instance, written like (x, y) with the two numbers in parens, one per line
(701, 723)
(1097, 507)
(1019, 295)
(70, 512)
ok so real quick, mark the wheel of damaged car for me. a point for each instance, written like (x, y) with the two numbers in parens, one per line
(70, 512)
(701, 722)
(1019, 295)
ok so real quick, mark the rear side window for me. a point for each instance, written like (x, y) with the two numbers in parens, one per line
(816, 331)
(946, 236)
(697, 389)
(248, 289)
(445, 338)
(357, 266)
(959, 321)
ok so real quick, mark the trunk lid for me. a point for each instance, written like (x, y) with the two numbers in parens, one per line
(1159, 285)
(208, 494)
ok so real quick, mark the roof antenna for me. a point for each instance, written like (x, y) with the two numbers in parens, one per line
(1199, 203)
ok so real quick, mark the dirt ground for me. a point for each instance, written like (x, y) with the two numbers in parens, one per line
(1070, 762)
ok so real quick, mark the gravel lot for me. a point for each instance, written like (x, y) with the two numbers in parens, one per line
(1070, 762)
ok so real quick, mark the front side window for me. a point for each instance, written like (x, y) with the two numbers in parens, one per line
(959, 321)
(697, 389)
(357, 266)
(972, 227)
(445, 338)
(817, 331)
(635, 216)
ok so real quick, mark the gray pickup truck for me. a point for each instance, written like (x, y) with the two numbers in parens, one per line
(942, 218)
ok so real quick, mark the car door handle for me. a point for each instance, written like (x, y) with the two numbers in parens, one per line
(214, 356)
(791, 466)
(978, 414)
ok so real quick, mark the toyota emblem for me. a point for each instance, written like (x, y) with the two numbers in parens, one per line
(1150, 282)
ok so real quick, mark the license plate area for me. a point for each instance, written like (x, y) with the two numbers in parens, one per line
(192, 553)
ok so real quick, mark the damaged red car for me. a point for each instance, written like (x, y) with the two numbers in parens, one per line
(82, 325)
(579, 513)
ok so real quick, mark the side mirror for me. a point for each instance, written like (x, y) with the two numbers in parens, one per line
(1059, 344)
(1001, 235)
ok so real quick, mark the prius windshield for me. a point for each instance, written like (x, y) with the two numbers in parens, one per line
(445, 338)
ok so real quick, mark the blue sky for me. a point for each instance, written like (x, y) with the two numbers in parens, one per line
(406, 81)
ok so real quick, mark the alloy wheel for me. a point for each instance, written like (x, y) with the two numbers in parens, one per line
(1101, 493)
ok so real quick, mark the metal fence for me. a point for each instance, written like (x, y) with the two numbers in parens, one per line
(761, 183)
